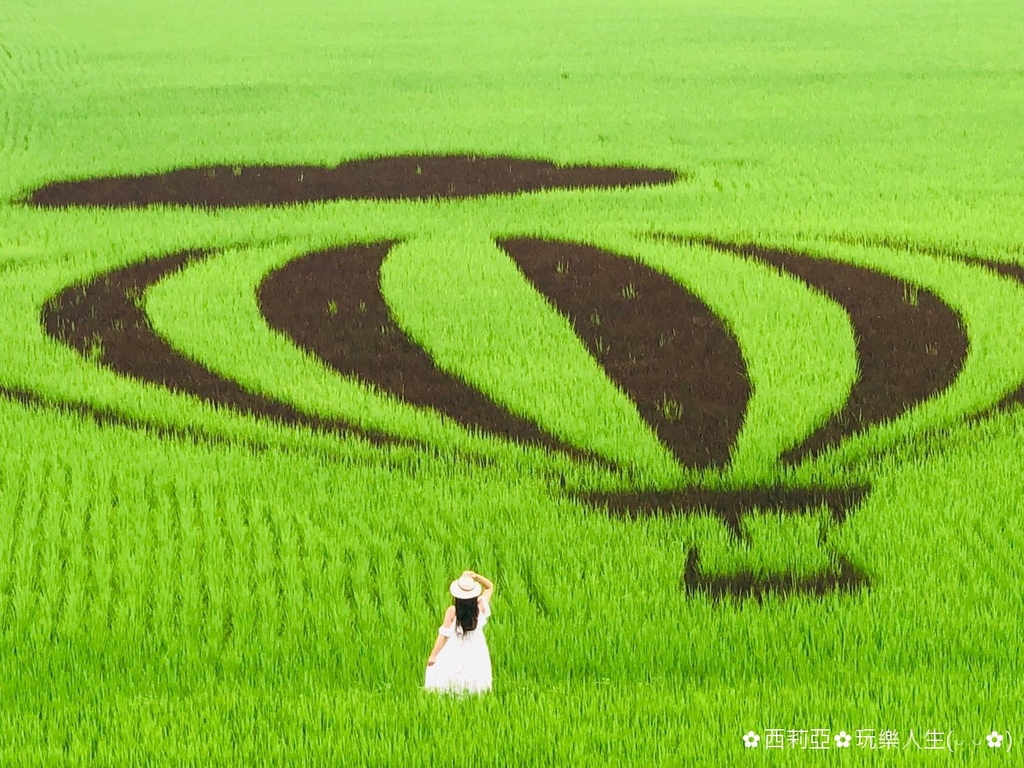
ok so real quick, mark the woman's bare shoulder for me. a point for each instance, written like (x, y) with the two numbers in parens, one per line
(449, 615)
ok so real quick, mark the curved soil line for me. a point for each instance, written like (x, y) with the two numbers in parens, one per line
(729, 505)
(103, 321)
(104, 417)
(747, 585)
(1014, 272)
(1006, 269)
(330, 304)
(910, 345)
(407, 177)
(676, 360)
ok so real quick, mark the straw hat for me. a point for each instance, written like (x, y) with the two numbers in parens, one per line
(466, 588)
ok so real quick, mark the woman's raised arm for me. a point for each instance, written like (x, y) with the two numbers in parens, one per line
(484, 582)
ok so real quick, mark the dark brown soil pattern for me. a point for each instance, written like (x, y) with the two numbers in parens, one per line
(910, 345)
(729, 505)
(1010, 270)
(330, 304)
(676, 360)
(638, 323)
(408, 177)
(746, 585)
(103, 321)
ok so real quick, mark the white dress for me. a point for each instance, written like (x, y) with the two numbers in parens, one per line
(464, 664)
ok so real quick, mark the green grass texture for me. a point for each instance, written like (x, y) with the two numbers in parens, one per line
(189, 585)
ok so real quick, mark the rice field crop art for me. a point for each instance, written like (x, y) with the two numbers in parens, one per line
(610, 354)
(694, 326)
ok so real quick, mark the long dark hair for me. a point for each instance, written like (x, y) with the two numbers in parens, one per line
(466, 612)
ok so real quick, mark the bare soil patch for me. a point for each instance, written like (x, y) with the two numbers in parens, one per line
(1010, 270)
(910, 345)
(846, 577)
(330, 304)
(406, 177)
(676, 360)
(103, 320)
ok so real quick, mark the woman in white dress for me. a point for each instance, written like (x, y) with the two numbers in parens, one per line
(460, 661)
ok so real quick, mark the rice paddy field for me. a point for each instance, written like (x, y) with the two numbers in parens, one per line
(697, 326)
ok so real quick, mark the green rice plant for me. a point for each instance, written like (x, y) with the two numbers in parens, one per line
(775, 544)
(185, 584)
(501, 336)
(233, 334)
(990, 307)
(782, 330)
